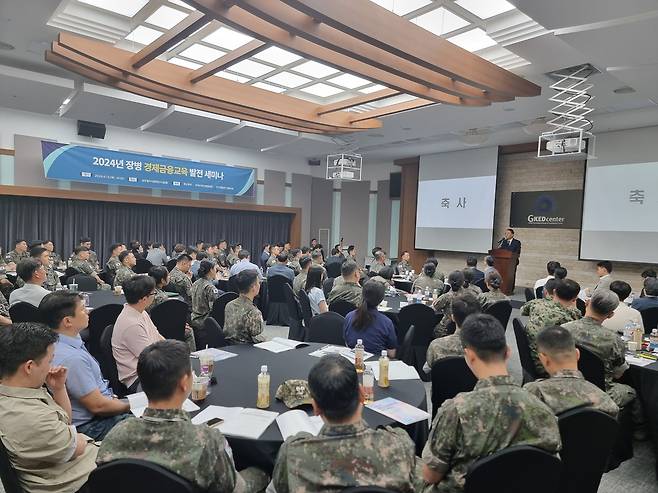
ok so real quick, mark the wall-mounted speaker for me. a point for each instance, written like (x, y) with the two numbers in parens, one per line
(314, 162)
(395, 186)
(91, 129)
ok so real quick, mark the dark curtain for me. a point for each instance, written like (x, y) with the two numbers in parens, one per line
(64, 221)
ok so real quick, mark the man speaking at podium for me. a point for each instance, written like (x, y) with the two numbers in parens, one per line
(509, 242)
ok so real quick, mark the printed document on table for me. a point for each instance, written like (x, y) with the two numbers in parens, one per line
(292, 422)
(221, 412)
(399, 411)
(139, 402)
(250, 423)
(217, 354)
(633, 360)
(343, 351)
(397, 370)
(280, 344)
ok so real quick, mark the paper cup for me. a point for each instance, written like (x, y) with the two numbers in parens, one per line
(199, 388)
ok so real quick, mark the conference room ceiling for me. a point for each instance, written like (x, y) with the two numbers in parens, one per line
(621, 46)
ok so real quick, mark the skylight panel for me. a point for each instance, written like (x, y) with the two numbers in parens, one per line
(184, 63)
(201, 53)
(143, 35)
(314, 69)
(288, 79)
(440, 21)
(277, 56)
(322, 90)
(180, 3)
(350, 81)
(227, 38)
(268, 87)
(487, 9)
(166, 17)
(251, 68)
(234, 77)
(122, 7)
(473, 40)
(371, 89)
(402, 7)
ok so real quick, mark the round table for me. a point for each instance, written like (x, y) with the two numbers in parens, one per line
(403, 284)
(104, 297)
(237, 387)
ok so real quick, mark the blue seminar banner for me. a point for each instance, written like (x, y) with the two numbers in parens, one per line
(93, 165)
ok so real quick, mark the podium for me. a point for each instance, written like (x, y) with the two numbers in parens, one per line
(505, 263)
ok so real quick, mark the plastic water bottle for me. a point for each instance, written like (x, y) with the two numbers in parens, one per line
(358, 356)
(653, 340)
(427, 292)
(383, 370)
(368, 386)
(263, 401)
(628, 330)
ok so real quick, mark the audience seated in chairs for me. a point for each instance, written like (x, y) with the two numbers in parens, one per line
(501, 406)
(348, 289)
(203, 292)
(471, 265)
(95, 410)
(300, 279)
(375, 329)
(443, 303)
(243, 322)
(313, 289)
(280, 268)
(650, 299)
(134, 330)
(125, 271)
(33, 273)
(550, 269)
(166, 436)
(344, 440)
(623, 312)
(180, 277)
(45, 450)
(428, 280)
(493, 281)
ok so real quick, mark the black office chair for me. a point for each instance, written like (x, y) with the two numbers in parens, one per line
(333, 269)
(326, 327)
(142, 266)
(277, 309)
(649, 319)
(8, 474)
(69, 272)
(305, 304)
(482, 285)
(500, 310)
(295, 320)
(580, 304)
(84, 282)
(210, 334)
(525, 355)
(24, 312)
(539, 292)
(171, 264)
(104, 275)
(137, 476)
(588, 436)
(170, 318)
(404, 352)
(418, 314)
(342, 307)
(423, 319)
(529, 294)
(518, 469)
(99, 318)
(367, 489)
(327, 286)
(450, 376)
(591, 366)
(219, 306)
(233, 284)
(108, 364)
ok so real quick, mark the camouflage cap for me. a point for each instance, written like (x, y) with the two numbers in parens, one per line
(294, 393)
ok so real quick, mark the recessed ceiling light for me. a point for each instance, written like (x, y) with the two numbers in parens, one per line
(143, 35)
(314, 69)
(181, 4)
(508, 109)
(350, 81)
(440, 21)
(402, 7)
(6, 46)
(201, 53)
(277, 56)
(184, 63)
(473, 40)
(233, 77)
(268, 87)
(166, 17)
(624, 90)
(485, 9)
(122, 7)
(288, 79)
(227, 38)
(371, 89)
(251, 68)
(322, 90)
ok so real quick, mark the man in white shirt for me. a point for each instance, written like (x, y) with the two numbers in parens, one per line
(623, 313)
(550, 268)
(33, 272)
(157, 255)
(244, 263)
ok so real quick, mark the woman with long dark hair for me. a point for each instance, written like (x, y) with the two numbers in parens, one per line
(314, 290)
(375, 329)
(444, 302)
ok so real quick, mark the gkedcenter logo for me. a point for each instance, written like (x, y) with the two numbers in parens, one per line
(532, 219)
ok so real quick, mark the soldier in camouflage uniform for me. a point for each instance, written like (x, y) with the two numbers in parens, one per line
(426, 280)
(232, 257)
(604, 343)
(346, 454)
(82, 264)
(166, 436)
(496, 415)
(443, 347)
(4, 310)
(18, 253)
(203, 293)
(52, 279)
(113, 262)
(125, 270)
(243, 322)
(468, 282)
(567, 388)
(493, 282)
(295, 256)
(556, 311)
(55, 258)
(274, 252)
(300, 279)
(93, 258)
(443, 304)
(349, 290)
(180, 278)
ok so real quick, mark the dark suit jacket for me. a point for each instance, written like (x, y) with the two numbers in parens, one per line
(477, 274)
(645, 303)
(513, 246)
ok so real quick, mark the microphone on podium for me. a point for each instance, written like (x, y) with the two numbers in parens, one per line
(500, 243)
